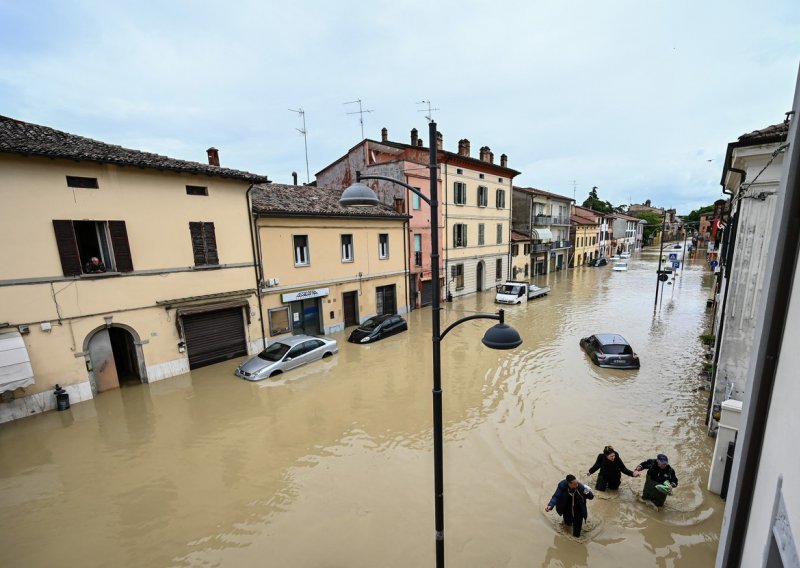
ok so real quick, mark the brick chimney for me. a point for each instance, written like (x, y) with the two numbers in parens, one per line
(399, 204)
(491, 155)
(504, 160)
(213, 156)
(414, 137)
(384, 135)
(419, 142)
(484, 152)
(439, 141)
(463, 147)
(466, 147)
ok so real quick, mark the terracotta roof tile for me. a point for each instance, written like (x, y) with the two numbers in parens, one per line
(277, 200)
(24, 138)
(776, 131)
(535, 191)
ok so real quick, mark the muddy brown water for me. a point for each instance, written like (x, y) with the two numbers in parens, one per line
(331, 465)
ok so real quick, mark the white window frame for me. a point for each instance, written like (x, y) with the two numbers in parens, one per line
(416, 202)
(347, 248)
(306, 249)
(459, 193)
(460, 235)
(483, 196)
(383, 246)
(500, 198)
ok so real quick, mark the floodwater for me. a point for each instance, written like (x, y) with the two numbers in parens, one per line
(331, 465)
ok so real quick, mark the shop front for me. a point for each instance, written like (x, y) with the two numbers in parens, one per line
(305, 310)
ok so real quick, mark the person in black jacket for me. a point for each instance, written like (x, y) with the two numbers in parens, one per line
(659, 472)
(611, 469)
(569, 501)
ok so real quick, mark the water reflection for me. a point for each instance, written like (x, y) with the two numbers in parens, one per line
(331, 463)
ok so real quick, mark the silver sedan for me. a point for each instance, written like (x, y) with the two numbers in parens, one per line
(286, 354)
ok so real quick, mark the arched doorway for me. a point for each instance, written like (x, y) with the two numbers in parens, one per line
(479, 277)
(115, 357)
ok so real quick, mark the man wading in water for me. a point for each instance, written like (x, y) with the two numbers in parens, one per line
(570, 502)
(659, 474)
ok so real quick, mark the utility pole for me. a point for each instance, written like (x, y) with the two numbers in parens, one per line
(660, 257)
(360, 112)
(303, 131)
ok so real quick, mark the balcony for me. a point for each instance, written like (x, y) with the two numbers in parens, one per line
(561, 221)
(417, 258)
(562, 244)
(540, 248)
(542, 220)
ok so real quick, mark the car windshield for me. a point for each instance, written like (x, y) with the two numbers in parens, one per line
(620, 265)
(617, 349)
(274, 352)
(370, 324)
(508, 289)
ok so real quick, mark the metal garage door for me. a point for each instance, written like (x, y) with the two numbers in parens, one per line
(214, 336)
(427, 292)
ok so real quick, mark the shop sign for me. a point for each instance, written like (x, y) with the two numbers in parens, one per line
(305, 294)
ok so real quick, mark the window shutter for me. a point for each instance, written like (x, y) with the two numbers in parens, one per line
(210, 239)
(453, 272)
(119, 242)
(67, 248)
(196, 231)
(465, 234)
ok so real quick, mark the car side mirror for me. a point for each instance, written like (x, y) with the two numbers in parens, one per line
(288, 358)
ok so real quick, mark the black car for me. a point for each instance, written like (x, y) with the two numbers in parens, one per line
(610, 350)
(377, 328)
(599, 262)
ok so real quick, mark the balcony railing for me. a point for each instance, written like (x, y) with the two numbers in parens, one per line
(543, 220)
(540, 248)
(417, 258)
(561, 221)
(562, 244)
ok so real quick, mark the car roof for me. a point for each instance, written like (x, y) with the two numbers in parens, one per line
(384, 317)
(610, 339)
(295, 339)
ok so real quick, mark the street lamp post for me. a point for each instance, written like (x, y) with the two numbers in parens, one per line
(499, 336)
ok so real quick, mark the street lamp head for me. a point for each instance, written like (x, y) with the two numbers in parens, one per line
(501, 336)
(359, 195)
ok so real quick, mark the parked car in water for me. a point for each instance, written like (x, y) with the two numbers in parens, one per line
(624, 255)
(621, 266)
(286, 354)
(377, 328)
(599, 262)
(610, 350)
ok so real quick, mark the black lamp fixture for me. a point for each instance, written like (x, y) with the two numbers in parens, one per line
(499, 336)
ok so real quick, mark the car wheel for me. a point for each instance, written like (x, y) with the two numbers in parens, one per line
(275, 373)
(326, 354)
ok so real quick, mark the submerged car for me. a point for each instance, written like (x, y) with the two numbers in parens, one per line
(286, 354)
(598, 262)
(624, 255)
(610, 350)
(620, 267)
(376, 328)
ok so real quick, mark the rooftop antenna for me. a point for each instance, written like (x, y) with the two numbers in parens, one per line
(574, 191)
(360, 112)
(303, 131)
(430, 110)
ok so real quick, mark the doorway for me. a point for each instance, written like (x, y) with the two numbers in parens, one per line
(306, 318)
(479, 277)
(115, 359)
(350, 307)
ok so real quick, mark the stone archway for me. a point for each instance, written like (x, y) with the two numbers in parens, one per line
(114, 357)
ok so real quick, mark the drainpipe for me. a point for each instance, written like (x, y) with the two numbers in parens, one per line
(257, 268)
(781, 279)
(406, 248)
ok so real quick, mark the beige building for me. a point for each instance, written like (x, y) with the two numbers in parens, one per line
(326, 267)
(520, 256)
(585, 229)
(477, 210)
(545, 217)
(174, 285)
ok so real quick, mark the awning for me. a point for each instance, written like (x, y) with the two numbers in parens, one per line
(542, 235)
(15, 365)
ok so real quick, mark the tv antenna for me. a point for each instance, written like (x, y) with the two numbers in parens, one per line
(302, 114)
(360, 112)
(429, 116)
(574, 190)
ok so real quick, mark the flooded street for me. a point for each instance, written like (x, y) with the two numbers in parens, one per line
(331, 464)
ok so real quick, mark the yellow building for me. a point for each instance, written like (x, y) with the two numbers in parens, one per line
(477, 211)
(326, 267)
(585, 229)
(520, 256)
(174, 284)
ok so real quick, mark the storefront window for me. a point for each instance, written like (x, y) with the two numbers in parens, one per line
(279, 321)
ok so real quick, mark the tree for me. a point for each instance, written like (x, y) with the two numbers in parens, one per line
(594, 203)
(694, 216)
(654, 223)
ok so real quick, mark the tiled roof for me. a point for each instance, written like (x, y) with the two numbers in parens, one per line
(28, 139)
(276, 200)
(517, 236)
(583, 220)
(535, 191)
(770, 133)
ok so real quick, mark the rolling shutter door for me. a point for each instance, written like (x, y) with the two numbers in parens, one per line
(214, 336)
(427, 292)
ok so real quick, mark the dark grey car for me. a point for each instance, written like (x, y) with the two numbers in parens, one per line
(610, 350)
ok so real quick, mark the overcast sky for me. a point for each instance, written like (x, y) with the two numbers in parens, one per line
(637, 98)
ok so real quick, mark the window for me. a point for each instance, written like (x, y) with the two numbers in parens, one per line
(204, 243)
(459, 171)
(417, 250)
(499, 233)
(483, 196)
(196, 190)
(499, 180)
(80, 241)
(385, 300)
(82, 182)
(481, 176)
(480, 234)
(460, 193)
(415, 200)
(500, 198)
(514, 250)
(301, 250)
(279, 322)
(383, 245)
(498, 271)
(347, 248)
(459, 235)
(457, 275)
(527, 249)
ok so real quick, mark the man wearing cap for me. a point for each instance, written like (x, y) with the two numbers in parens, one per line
(659, 473)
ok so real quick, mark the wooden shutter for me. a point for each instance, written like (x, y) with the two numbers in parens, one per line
(196, 231)
(465, 234)
(67, 248)
(122, 249)
(210, 239)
